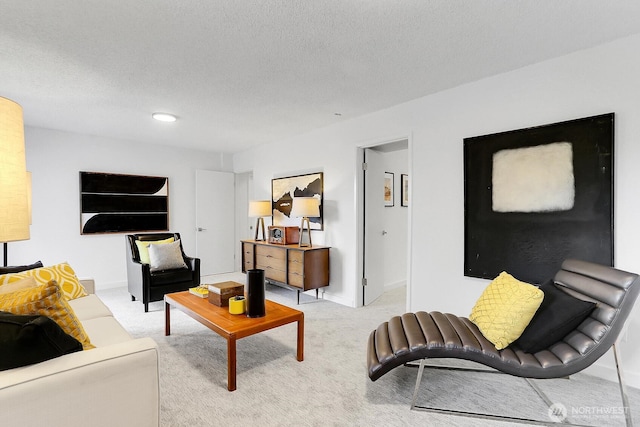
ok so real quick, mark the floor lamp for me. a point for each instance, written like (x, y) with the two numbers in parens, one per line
(259, 209)
(14, 209)
(305, 208)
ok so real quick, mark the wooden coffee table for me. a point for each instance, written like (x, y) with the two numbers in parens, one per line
(232, 327)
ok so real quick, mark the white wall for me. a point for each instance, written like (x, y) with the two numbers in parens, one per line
(590, 82)
(55, 158)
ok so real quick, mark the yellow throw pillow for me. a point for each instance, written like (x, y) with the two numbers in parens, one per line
(62, 273)
(46, 300)
(143, 247)
(18, 285)
(505, 308)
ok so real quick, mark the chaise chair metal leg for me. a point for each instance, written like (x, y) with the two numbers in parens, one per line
(623, 389)
(543, 396)
(467, 413)
(418, 381)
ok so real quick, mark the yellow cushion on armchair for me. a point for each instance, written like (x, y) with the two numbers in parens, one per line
(143, 247)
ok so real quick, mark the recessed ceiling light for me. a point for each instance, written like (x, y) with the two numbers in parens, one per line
(164, 117)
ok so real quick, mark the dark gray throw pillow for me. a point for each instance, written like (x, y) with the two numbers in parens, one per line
(25, 340)
(19, 268)
(558, 315)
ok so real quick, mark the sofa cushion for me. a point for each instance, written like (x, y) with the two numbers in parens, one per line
(105, 331)
(46, 300)
(26, 340)
(558, 315)
(166, 257)
(62, 273)
(505, 308)
(19, 268)
(89, 307)
(18, 285)
(143, 247)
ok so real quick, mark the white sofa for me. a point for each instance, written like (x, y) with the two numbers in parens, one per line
(115, 384)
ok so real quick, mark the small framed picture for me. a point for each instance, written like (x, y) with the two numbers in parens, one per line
(404, 190)
(388, 189)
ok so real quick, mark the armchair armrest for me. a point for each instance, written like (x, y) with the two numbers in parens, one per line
(195, 268)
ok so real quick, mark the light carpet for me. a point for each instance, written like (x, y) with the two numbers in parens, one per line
(331, 387)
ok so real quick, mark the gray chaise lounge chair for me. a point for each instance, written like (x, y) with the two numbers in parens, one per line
(422, 335)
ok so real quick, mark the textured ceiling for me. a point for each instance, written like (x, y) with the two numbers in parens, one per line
(242, 73)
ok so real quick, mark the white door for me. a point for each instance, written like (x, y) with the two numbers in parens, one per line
(373, 226)
(215, 221)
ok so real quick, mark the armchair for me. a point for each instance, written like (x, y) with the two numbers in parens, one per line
(148, 285)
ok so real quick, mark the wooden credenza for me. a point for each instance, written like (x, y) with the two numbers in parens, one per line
(290, 266)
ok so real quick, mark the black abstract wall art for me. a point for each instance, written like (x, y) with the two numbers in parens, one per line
(115, 203)
(283, 190)
(535, 197)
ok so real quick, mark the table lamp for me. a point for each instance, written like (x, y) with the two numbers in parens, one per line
(259, 209)
(305, 208)
(14, 208)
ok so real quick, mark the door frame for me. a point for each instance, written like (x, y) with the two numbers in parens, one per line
(359, 210)
(244, 193)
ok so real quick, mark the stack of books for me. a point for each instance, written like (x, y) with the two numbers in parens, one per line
(201, 291)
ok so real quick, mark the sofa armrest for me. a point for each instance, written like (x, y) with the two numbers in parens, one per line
(112, 385)
(89, 284)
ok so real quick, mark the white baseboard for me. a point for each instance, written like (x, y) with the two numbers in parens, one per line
(333, 298)
(111, 285)
(390, 286)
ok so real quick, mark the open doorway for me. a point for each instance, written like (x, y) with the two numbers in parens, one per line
(385, 220)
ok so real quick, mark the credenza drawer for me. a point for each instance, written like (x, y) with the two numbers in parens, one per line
(271, 252)
(247, 257)
(296, 268)
(273, 261)
(248, 250)
(264, 262)
(273, 273)
(296, 256)
(296, 279)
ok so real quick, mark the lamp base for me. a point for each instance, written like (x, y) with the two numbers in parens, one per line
(302, 232)
(260, 226)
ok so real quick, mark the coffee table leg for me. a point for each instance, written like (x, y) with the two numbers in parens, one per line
(300, 354)
(167, 326)
(231, 363)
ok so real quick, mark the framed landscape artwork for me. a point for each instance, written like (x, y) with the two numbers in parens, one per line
(404, 190)
(388, 189)
(283, 190)
(114, 203)
(535, 197)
